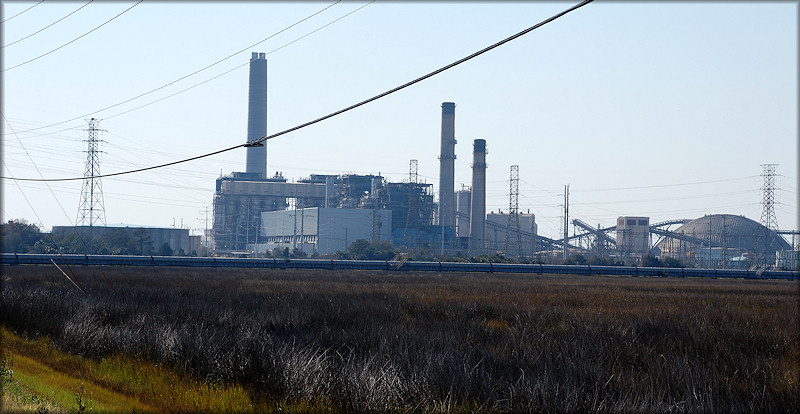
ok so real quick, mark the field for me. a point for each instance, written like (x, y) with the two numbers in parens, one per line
(175, 339)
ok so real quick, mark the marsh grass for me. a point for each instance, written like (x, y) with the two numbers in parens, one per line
(396, 341)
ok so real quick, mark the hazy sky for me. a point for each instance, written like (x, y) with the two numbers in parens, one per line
(664, 110)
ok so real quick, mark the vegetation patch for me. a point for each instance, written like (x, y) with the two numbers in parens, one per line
(269, 340)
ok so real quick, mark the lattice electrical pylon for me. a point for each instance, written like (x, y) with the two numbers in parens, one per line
(768, 219)
(412, 219)
(513, 241)
(91, 210)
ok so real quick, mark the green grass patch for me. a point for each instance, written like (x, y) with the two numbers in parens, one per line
(113, 384)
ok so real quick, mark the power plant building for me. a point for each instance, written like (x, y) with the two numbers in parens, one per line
(179, 240)
(633, 236)
(724, 241)
(498, 233)
(320, 230)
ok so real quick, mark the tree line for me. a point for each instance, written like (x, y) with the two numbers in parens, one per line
(20, 236)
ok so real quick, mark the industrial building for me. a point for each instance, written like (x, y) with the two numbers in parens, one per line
(323, 213)
(503, 236)
(724, 241)
(320, 230)
(633, 236)
(179, 240)
(241, 198)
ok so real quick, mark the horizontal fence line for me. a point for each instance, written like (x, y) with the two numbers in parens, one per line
(264, 263)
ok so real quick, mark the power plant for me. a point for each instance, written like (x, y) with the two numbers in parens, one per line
(255, 213)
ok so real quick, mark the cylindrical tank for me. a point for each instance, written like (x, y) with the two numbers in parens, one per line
(257, 115)
(477, 220)
(447, 166)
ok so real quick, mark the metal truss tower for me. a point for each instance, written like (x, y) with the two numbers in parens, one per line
(768, 219)
(513, 242)
(91, 210)
(768, 200)
(412, 218)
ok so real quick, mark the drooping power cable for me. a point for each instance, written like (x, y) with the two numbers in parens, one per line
(42, 1)
(71, 41)
(185, 76)
(259, 141)
(49, 25)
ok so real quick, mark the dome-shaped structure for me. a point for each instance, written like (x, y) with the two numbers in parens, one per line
(729, 236)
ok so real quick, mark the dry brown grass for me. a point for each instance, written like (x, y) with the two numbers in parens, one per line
(395, 341)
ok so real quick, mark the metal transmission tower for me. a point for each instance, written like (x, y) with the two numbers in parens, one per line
(412, 218)
(513, 242)
(91, 210)
(768, 219)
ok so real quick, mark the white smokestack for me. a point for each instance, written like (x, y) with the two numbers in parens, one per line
(257, 115)
(447, 166)
(477, 220)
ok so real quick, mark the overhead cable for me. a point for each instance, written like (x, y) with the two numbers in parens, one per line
(73, 40)
(22, 11)
(237, 67)
(49, 25)
(259, 141)
(191, 74)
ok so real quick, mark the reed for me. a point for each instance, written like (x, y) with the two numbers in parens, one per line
(399, 341)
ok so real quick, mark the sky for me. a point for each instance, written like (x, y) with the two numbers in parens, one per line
(657, 109)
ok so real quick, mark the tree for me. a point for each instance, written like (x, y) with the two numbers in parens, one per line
(115, 241)
(382, 250)
(19, 236)
(165, 250)
(651, 261)
(575, 259)
(360, 250)
(143, 243)
(672, 262)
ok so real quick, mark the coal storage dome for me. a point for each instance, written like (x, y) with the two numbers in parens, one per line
(736, 232)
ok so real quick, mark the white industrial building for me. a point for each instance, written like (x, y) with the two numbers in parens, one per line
(322, 230)
(633, 236)
(496, 229)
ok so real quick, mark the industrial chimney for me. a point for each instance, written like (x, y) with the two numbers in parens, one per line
(257, 115)
(477, 220)
(447, 166)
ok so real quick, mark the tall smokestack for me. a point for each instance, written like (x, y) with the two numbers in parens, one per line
(477, 219)
(447, 159)
(257, 114)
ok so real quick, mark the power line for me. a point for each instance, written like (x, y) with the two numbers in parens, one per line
(73, 40)
(339, 112)
(51, 24)
(665, 185)
(231, 70)
(42, 1)
(40, 174)
(189, 75)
